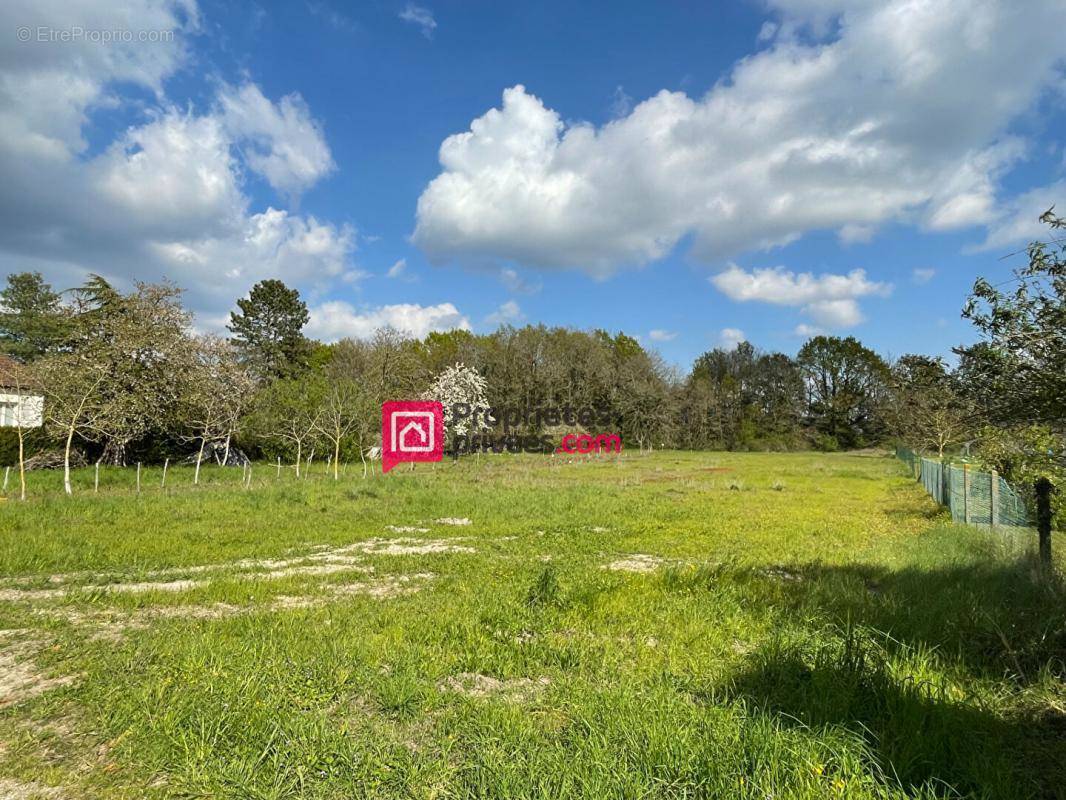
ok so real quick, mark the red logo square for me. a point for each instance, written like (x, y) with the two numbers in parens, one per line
(411, 430)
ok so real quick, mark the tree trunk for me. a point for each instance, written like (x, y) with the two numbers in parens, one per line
(199, 458)
(336, 458)
(66, 460)
(362, 457)
(225, 452)
(22, 464)
(299, 457)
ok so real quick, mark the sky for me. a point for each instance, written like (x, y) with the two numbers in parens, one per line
(694, 174)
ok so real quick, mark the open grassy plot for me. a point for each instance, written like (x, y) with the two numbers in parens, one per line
(675, 625)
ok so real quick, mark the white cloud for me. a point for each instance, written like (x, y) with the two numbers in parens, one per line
(337, 319)
(830, 300)
(856, 234)
(659, 335)
(282, 142)
(47, 88)
(730, 338)
(166, 197)
(507, 314)
(901, 116)
(922, 275)
(621, 103)
(420, 16)
(1018, 222)
(807, 331)
(515, 282)
(397, 269)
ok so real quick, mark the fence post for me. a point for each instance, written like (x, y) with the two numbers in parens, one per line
(945, 485)
(993, 502)
(279, 467)
(1043, 519)
(96, 478)
(166, 463)
(138, 477)
(7, 471)
(966, 493)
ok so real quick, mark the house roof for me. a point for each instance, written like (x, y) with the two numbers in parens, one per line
(8, 366)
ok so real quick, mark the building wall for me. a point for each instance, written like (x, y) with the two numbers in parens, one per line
(26, 409)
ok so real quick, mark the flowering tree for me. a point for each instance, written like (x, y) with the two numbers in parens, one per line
(461, 385)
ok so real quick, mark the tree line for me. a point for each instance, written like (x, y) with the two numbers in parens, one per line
(126, 377)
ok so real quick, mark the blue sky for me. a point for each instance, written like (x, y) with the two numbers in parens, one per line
(689, 173)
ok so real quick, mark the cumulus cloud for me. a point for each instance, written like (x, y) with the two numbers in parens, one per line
(830, 300)
(659, 335)
(282, 142)
(420, 16)
(921, 275)
(730, 338)
(337, 319)
(166, 197)
(897, 111)
(507, 314)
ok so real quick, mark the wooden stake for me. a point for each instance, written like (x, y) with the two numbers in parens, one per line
(166, 463)
(7, 472)
(138, 477)
(279, 467)
(96, 479)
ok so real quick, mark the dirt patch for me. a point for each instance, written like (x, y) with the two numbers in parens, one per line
(11, 789)
(380, 589)
(410, 547)
(322, 560)
(20, 679)
(147, 586)
(112, 625)
(782, 574)
(316, 569)
(474, 684)
(638, 562)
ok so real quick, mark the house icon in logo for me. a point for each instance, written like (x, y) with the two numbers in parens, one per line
(405, 442)
(411, 430)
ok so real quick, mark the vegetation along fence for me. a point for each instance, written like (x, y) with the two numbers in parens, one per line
(975, 497)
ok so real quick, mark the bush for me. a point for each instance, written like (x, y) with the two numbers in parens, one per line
(34, 441)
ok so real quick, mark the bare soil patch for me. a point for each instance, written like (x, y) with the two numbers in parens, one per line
(20, 678)
(638, 562)
(474, 684)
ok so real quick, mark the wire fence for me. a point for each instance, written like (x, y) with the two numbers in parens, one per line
(973, 497)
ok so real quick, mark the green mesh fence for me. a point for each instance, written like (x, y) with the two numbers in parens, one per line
(974, 497)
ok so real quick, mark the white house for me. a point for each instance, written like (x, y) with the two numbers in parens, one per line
(20, 406)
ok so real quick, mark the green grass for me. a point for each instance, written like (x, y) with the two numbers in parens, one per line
(788, 626)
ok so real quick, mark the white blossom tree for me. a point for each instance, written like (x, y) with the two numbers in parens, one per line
(461, 385)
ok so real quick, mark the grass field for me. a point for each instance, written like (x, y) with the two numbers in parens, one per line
(672, 625)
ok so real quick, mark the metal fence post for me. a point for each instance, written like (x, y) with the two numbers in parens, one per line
(966, 493)
(1043, 519)
(993, 502)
